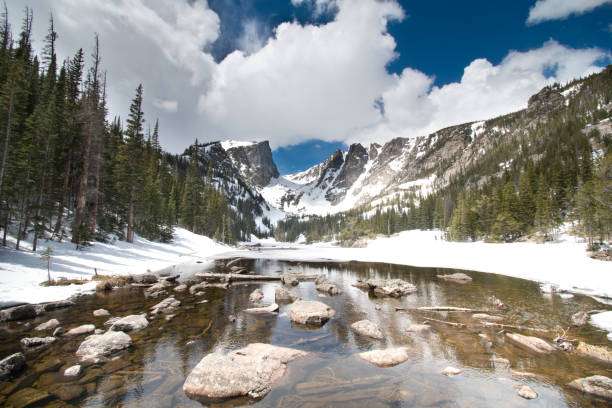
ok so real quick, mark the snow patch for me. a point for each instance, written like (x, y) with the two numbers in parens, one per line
(230, 144)
(603, 321)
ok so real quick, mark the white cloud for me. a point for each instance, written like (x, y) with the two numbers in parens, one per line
(166, 105)
(545, 10)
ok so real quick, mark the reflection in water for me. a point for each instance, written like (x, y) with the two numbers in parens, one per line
(152, 371)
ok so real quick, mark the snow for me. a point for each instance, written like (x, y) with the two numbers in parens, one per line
(478, 128)
(603, 321)
(22, 271)
(230, 144)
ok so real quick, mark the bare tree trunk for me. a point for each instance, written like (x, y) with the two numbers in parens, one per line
(82, 191)
(97, 190)
(60, 212)
(130, 226)
(7, 220)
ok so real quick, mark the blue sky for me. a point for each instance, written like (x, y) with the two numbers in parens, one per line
(326, 73)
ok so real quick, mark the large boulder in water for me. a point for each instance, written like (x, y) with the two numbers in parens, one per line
(249, 372)
(386, 358)
(11, 365)
(98, 346)
(282, 295)
(36, 343)
(324, 285)
(531, 343)
(367, 328)
(387, 287)
(48, 325)
(83, 329)
(128, 323)
(309, 312)
(598, 385)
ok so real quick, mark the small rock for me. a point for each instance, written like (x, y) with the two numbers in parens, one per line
(598, 385)
(98, 331)
(450, 371)
(190, 343)
(579, 319)
(231, 318)
(262, 310)
(309, 312)
(527, 392)
(204, 301)
(73, 371)
(495, 302)
(101, 313)
(418, 328)
(367, 328)
(169, 317)
(48, 325)
(283, 315)
(484, 316)
(256, 296)
(11, 365)
(289, 280)
(129, 323)
(282, 295)
(97, 346)
(534, 344)
(322, 284)
(387, 287)
(180, 288)
(167, 306)
(145, 278)
(456, 277)
(83, 329)
(31, 343)
(59, 331)
(197, 287)
(386, 358)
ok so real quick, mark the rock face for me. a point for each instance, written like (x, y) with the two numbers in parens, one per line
(85, 328)
(598, 352)
(11, 365)
(386, 358)
(128, 323)
(98, 346)
(310, 312)
(387, 287)
(282, 295)
(254, 162)
(166, 306)
(31, 343)
(250, 372)
(597, 385)
(256, 296)
(531, 343)
(48, 325)
(325, 286)
(367, 328)
(456, 277)
(527, 392)
(101, 313)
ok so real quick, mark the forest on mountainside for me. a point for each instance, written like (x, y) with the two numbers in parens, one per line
(559, 170)
(67, 172)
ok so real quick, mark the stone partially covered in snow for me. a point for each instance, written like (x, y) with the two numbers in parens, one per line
(11, 365)
(83, 329)
(256, 296)
(367, 328)
(387, 287)
(129, 323)
(456, 277)
(167, 306)
(386, 358)
(250, 372)
(282, 295)
(534, 344)
(597, 385)
(48, 325)
(101, 313)
(98, 346)
(310, 312)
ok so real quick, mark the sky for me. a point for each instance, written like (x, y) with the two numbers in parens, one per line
(313, 76)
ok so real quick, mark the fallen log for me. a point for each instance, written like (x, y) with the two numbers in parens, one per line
(441, 309)
(445, 322)
(510, 326)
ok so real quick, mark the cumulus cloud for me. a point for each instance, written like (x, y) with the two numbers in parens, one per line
(545, 10)
(165, 105)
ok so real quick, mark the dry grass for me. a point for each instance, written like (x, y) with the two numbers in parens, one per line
(64, 282)
(108, 282)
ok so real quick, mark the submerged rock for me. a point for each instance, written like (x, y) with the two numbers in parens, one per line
(68, 392)
(367, 328)
(282, 295)
(324, 285)
(263, 310)
(387, 287)
(256, 296)
(598, 385)
(487, 317)
(386, 358)
(98, 346)
(418, 328)
(28, 397)
(167, 306)
(11, 365)
(32, 343)
(598, 352)
(249, 372)
(48, 325)
(83, 329)
(527, 392)
(456, 277)
(128, 323)
(310, 312)
(101, 313)
(534, 344)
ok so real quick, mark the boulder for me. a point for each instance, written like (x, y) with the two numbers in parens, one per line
(602, 353)
(387, 287)
(83, 329)
(527, 392)
(282, 295)
(101, 313)
(263, 310)
(256, 295)
(289, 280)
(531, 343)
(310, 312)
(451, 371)
(157, 290)
(487, 317)
(20, 312)
(598, 385)
(129, 323)
(167, 306)
(579, 319)
(98, 346)
(31, 343)
(145, 279)
(180, 288)
(418, 328)
(386, 358)
(248, 372)
(11, 365)
(48, 325)
(73, 371)
(324, 285)
(456, 277)
(367, 328)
